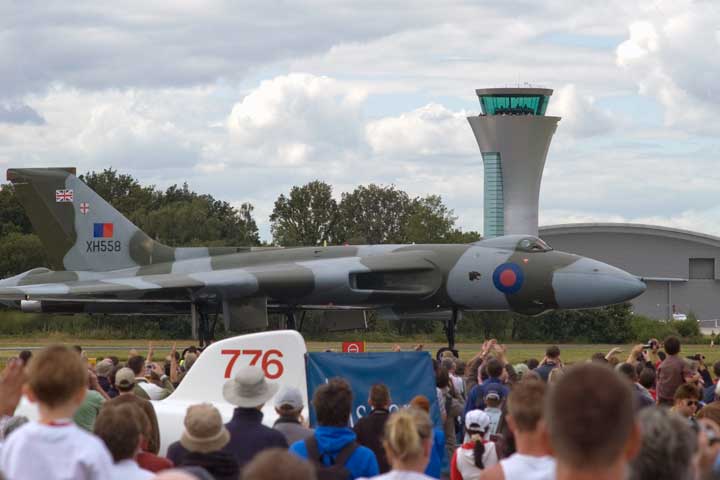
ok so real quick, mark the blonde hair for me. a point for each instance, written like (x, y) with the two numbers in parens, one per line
(555, 375)
(405, 432)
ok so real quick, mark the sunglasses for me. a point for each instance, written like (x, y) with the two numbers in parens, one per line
(690, 403)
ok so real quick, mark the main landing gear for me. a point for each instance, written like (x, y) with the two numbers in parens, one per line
(290, 320)
(293, 321)
(203, 329)
(450, 329)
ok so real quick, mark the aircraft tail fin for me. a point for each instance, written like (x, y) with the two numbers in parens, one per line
(280, 353)
(79, 229)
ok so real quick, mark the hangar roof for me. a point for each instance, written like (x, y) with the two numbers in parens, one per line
(634, 229)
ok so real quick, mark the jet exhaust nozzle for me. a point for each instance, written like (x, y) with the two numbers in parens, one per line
(31, 306)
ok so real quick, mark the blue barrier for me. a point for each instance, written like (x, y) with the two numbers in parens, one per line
(406, 374)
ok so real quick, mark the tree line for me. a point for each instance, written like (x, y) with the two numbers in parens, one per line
(370, 214)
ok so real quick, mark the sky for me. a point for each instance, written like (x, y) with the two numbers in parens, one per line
(243, 100)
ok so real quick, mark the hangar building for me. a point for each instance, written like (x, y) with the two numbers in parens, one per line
(680, 267)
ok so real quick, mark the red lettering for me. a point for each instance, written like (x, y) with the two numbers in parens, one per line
(267, 362)
(235, 354)
(270, 360)
(256, 356)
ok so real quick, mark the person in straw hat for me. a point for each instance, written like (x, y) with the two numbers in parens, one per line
(204, 438)
(249, 390)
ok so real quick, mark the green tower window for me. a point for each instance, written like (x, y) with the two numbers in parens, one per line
(494, 213)
(504, 104)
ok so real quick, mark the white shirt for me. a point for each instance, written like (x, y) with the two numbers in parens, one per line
(153, 391)
(130, 470)
(458, 383)
(401, 475)
(44, 452)
(521, 467)
(465, 461)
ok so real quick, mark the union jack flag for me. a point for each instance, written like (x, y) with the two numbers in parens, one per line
(64, 195)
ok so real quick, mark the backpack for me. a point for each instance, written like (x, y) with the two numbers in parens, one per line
(336, 471)
(495, 415)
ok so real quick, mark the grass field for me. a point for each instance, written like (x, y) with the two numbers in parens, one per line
(570, 353)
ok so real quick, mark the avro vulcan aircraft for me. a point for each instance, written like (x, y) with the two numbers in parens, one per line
(105, 264)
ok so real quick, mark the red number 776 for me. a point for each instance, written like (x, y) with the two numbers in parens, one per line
(266, 363)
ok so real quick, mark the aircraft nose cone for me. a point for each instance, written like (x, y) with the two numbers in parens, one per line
(588, 283)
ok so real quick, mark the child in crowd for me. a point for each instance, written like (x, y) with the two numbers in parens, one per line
(54, 447)
(119, 428)
(471, 458)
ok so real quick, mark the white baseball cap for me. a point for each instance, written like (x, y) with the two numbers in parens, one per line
(477, 420)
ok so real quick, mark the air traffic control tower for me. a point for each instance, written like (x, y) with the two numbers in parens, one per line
(514, 135)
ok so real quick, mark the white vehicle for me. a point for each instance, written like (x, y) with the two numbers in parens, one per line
(281, 354)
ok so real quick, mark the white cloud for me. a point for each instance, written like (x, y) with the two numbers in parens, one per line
(211, 168)
(643, 41)
(127, 130)
(563, 216)
(123, 133)
(429, 130)
(580, 116)
(673, 58)
(697, 220)
(297, 118)
(294, 103)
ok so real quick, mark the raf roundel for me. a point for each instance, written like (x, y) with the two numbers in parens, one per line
(508, 278)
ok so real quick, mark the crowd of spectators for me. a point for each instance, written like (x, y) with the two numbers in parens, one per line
(655, 415)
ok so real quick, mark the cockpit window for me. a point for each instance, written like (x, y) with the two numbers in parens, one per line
(522, 243)
(533, 244)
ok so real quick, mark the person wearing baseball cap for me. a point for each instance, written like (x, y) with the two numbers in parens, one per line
(249, 391)
(289, 407)
(103, 370)
(474, 456)
(124, 380)
(125, 384)
(521, 369)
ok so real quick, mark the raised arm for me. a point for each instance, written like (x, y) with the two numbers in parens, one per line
(173, 365)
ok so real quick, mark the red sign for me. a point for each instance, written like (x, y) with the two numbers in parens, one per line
(353, 347)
